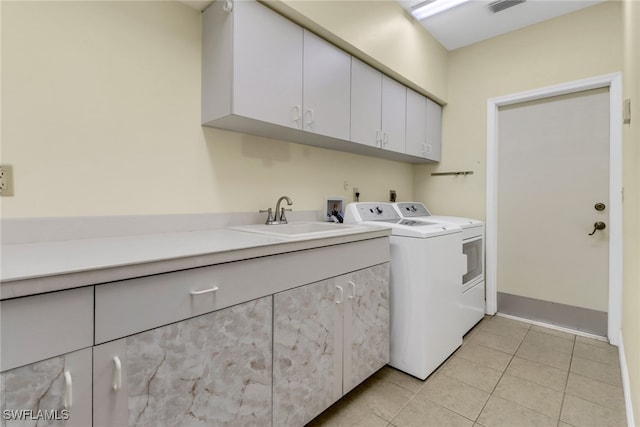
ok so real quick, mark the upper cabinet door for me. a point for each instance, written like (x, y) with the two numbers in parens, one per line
(394, 113)
(424, 127)
(327, 82)
(416, 124)
(366, 104)
(267, 65)
(434, 130)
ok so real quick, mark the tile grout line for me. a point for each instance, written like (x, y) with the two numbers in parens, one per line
(566, 383)
(501, 375)
(517, 404)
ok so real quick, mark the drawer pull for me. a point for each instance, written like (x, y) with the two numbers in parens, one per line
(68, 390)
(340, 298)
(117, 374)
(205, 291)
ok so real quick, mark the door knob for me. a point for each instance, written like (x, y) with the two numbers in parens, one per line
(598, 226)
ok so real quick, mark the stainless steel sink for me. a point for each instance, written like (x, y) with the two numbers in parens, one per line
(300, 229)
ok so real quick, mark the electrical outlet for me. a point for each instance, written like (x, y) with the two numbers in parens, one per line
(356, 194)
(6, 180)
(392, 196)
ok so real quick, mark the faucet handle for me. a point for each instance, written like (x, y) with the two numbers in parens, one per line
(269, 215)
(283, 219)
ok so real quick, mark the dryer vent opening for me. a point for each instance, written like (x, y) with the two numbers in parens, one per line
(500, 5)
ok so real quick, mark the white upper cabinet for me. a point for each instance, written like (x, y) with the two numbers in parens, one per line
(394, 113)
(326, 82)
(416, 124)
(434, 130)
(423, 126)
(378, 108)
(252, 65)
(264, 75)
(366, 104)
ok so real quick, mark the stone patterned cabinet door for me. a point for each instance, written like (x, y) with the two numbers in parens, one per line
(307, 352)
(329, 336)
(52, 392)
(210, 370)
(366, 326)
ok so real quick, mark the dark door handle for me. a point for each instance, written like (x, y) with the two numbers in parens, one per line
(598, 226)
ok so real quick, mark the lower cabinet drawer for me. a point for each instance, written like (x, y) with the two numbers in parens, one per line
(38, 327)
(131, 306)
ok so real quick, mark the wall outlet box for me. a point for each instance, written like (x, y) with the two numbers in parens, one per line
(6, 180)
(333, 209)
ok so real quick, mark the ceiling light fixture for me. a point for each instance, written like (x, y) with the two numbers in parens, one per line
(433, 7)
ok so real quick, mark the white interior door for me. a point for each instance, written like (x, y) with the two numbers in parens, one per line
(553, 168)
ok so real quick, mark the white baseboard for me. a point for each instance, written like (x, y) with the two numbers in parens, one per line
(626, 387)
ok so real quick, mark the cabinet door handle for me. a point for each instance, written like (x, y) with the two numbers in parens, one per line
(117, 374)
(68, 390)
(378, 139)
(353, 290)
(204, 291)
(340, 299)
(385, 138)
(296, 115)
(308, 117)
(426, 149)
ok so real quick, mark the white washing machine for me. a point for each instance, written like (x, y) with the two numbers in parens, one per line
(473, 287)
(426, 266)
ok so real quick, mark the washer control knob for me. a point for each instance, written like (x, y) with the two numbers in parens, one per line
(378, 210)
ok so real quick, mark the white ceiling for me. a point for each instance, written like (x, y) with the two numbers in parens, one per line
(472, 22)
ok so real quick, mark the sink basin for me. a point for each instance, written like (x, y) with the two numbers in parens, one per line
(299, 229)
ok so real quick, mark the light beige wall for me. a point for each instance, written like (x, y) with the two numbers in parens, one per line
(101, 116)
(583, 44)
(380, 32)
(631, 208)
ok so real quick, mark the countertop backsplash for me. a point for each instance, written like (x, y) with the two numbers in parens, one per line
(36, 230)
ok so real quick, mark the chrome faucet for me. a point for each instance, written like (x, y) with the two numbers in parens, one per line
(272, 217)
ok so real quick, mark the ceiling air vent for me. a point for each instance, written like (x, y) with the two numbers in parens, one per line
(500, 5)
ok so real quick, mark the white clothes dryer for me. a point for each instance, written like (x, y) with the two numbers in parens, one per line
(426, 266)
(472, 307)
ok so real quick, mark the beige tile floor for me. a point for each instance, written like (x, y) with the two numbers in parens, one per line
(506, 373)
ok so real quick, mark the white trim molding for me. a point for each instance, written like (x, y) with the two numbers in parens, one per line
(626, 385)
(614, 83)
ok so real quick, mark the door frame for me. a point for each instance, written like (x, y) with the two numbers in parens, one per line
(614, 83)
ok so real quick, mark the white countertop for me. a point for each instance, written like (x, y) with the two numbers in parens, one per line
(52, 266)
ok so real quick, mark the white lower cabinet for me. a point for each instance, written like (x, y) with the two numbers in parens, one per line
(54, 391)
(213, 369)
(271, 340)
(329, 336)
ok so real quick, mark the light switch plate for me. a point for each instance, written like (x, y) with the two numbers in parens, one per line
(626, 111)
